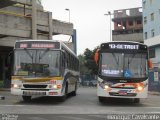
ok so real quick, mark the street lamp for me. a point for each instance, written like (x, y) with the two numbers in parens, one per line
(109, 13)
(68, 12)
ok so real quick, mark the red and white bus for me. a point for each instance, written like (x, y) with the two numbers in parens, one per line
(122, 70)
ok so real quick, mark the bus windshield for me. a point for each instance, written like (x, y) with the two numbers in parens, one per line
(124, 65)
(37, 63)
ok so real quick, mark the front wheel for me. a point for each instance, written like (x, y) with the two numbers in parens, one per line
(26, 98)
(74, 93)
(63, 98)
(101, 99)
(136, 100)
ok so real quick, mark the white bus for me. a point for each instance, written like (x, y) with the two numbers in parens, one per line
(122, 70)
(44, 68)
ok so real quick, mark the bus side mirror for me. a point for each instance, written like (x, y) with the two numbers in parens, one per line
(150, 64)
(9, 58)
(96, 56)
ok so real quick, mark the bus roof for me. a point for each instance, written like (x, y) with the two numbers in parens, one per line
(124, 42)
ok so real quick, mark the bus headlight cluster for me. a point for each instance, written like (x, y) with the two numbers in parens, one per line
(16, 86)
(55, 86)
(140, 88)
(106, 87)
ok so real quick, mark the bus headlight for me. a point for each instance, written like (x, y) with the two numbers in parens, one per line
(139, 88)
(55, 86)
(106, 87)
(16, 86)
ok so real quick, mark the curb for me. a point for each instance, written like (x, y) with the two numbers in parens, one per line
(154, 93)
(4, 89)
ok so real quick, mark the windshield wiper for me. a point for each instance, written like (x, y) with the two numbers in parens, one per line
(31, 56)
(117, 60)
(132, 58)
(41, 56)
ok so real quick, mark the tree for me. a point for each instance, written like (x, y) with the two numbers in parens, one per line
(83, 68)
(89, 61)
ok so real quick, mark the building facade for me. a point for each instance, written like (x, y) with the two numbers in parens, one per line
(151, 28)
(16, 24)
(128, 25)
(39, 1)
(151, 36)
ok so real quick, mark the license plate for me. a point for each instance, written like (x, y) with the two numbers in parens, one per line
(33, 93)
(122, 92)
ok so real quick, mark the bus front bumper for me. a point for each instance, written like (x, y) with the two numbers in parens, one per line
(121, 93)
(33, 92)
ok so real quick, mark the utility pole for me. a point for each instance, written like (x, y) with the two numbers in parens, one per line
(34, 20)
(109, 13)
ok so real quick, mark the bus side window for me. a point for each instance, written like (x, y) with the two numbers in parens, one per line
(63, 59)
(66, 60)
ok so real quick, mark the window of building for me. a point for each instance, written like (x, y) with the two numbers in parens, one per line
(139, 22)
(145, 20)
(130, 23)
(152, 32)
(152, 16)
(145, 35)
(152, 53)
(119, 24)
(144, 4)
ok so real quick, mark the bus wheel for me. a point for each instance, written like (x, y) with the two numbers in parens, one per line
(26, 98)
(75, 91)
(136, 100)
(63, 98)
(101, 99)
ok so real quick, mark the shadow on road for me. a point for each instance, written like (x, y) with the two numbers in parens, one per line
(46, 100)
(120, 102)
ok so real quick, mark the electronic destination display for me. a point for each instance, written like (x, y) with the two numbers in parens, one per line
(123, 46)
(37, 44)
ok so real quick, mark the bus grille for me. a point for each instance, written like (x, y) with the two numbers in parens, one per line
(124, 87)
(128, 94)
(34, 86)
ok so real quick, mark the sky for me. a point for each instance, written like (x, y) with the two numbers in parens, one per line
(87, 16)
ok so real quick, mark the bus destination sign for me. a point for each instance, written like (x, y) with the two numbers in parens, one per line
(37, 45)
(123, 46)
(53, 45)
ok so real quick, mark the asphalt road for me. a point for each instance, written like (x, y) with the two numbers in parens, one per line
(85, 105)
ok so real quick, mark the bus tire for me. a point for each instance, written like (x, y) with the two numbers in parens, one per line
(101, 99)
(137, 100)
(26, 98)
(74, 93)
(63, 98)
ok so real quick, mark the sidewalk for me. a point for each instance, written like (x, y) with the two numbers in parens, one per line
(154, 93)
(2, 97)
(4, 89)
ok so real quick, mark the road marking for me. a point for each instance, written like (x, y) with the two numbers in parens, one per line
(74, 118)
(12, 105)
(36, 118)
